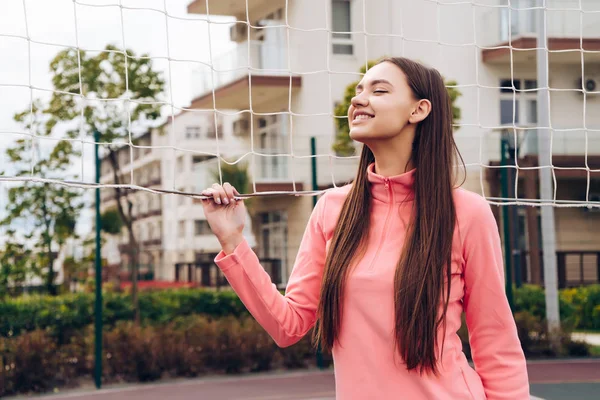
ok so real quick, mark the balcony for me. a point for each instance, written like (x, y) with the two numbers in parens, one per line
(566, 143)
(270, 167)
(207, 274)
(237, 8)
(564, 30)
(125, 247)
(147, 214)
(268, 80)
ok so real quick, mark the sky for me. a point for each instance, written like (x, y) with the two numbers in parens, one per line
(32, 32)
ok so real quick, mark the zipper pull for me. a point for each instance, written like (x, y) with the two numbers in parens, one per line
(386, 183)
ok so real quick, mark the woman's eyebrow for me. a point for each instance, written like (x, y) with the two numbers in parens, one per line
(374, 82)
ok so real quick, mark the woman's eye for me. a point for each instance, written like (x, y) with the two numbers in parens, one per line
(380, 91)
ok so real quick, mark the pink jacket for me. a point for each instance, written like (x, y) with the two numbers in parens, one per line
(365, 364)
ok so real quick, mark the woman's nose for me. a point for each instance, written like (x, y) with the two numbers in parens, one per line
(359, 100)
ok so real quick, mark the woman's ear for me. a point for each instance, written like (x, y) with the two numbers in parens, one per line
(420, 112)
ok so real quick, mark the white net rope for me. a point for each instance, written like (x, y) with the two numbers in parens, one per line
(475, 92)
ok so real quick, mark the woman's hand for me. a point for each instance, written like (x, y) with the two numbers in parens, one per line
(225, 215)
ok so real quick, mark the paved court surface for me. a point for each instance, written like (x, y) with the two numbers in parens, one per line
(550, 380)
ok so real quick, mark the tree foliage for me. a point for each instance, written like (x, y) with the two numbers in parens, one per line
(111, 221)
(45, 214)
(17, 265)
(122, 96)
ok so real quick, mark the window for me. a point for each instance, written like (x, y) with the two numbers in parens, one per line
(273, 242)
(181, 198)
(272, 139)
(181, 229)
(340, 22)
(201, 227)
(523, 105)
(180, 164)
(193, 132)
(522, 18)
(210, 132)
(201, 159)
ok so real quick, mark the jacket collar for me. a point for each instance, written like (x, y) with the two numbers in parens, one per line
(390, 189)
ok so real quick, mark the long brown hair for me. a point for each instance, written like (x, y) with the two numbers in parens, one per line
(425, 263)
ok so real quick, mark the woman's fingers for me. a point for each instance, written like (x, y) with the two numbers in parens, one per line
(221, 194)
(208, 193)
(229, 191)
(218, 193)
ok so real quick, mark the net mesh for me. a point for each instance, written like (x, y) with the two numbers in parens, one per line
(493, 41)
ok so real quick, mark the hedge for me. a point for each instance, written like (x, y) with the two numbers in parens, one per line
(186, 347)
(63, 315)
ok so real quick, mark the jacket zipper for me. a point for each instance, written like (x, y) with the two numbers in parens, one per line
(388, 186)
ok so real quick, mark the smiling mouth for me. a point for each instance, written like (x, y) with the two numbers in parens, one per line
(362, 118)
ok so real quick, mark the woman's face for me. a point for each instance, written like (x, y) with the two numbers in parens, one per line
(383, 105)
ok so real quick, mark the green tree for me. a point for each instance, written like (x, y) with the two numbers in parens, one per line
(343, 144)
(48, 211)
(122, 93)
(17, 264)
(111, 221)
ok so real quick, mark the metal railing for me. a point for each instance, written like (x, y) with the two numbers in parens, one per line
(262, 58)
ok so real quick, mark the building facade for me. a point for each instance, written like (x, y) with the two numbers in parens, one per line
(293, 60)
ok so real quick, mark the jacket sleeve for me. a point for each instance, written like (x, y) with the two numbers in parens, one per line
(495, 345)
(287, 318)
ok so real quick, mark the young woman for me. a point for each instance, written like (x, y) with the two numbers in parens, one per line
(377, 255)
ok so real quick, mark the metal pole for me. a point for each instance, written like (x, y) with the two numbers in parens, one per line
(313, 162)
(514, 222)
(315, 186)
(98, 263)
(545, 160)
(504, 149)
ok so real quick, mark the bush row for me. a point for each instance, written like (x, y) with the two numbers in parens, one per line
(63, 315)
(186, 347)
(579, 307)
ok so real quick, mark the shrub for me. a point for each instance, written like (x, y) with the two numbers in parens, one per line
(131, 353)
(64, 315)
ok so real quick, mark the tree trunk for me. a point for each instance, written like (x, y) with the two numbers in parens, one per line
(128, 221)
(134, 268)
(48, 242)
(50, 286)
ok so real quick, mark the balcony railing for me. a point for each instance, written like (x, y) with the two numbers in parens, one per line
(147, 214)
(263, 58)
(564, 142)
(272, 168)
(207, 274)
(495, 23)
